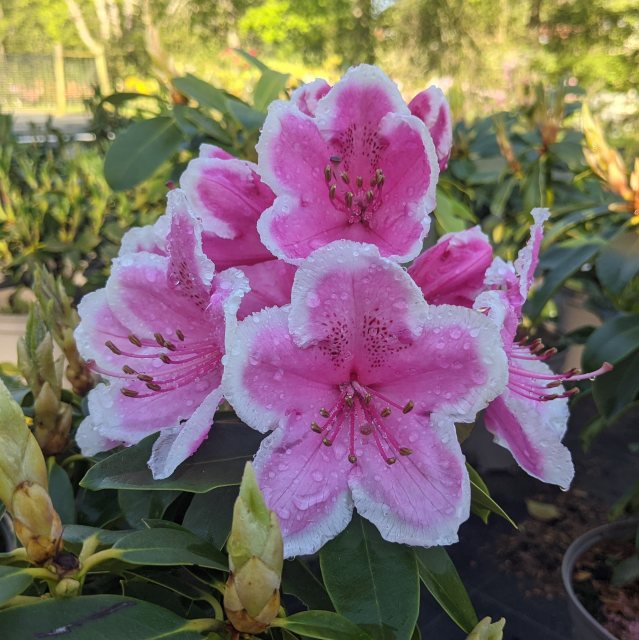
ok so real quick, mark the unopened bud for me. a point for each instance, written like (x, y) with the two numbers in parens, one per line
(255, 548)
(36, 522)
(488, 630)
(67, 588)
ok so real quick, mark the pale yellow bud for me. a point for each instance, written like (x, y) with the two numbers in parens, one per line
(255, 550)
(488, 630)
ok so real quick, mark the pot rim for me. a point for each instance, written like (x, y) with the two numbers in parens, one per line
(579, 546)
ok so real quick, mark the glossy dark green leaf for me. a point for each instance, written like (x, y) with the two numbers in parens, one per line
(13, 582)
(618, 262)
(324, 625)
(93, 617)
(141, 505)
(251, 119)
(166, 547)
(268, 88)
(61, 492)
(258, 64)
(77, 534)
(298, 580)
(560, 262)
(612, 342)
(210, 514)
(450, 213)
(140, 150)
(373, 583)
(617, 390)
(192, 122)
(480, 500)
(120, 98)
(219, 462)
(440, 577)
(206, 94)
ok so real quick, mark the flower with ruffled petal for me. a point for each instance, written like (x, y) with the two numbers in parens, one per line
(361, 382)
(228, 196)
(531, 416)
(432, 108)
(355, 165)
(157, 333)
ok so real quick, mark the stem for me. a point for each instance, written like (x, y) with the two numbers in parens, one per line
(88, 547)
(204, 624)
(39, 572)
(17, 555)
(97, 558)
(71, 459)
(217, 607)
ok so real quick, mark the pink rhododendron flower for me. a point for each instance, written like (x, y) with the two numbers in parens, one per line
(531, 416)
(362, 382)
(353, 164)
(432, 108)
(157, 333)
(452, 271)
(228, 196)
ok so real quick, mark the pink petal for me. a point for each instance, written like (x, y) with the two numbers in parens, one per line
(305, 483)
(90, 440)
(431, 107)
(423, 497)
(306, 97)
(270, 283)
(452, 272)
(211, 151)
(227, 195)
(178, 443)
(150, 238)
(267, 376)
(528, 256)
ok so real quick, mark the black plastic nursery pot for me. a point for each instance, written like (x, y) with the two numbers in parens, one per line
(585, 627)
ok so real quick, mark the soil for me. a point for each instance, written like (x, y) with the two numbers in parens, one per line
(617, 609)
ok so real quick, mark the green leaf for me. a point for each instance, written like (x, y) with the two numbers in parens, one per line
(450, 213)
(191, 121)
(77, 534)
(140, 150)
(206, 94)
(612, 342)
(480, 500)
(618, 262)
(440, 577)
(324, 625)
(626, 571)
(167, 547)
(219, 462)
(92, 617)
(374, 583)
(617, 390)
(13, 582)
(561, 261)
(120, 98)
(268, 88)
(141, 505)
(251, 119)
(258, 64)
(298, 580)
(210, 515)
(61, 492)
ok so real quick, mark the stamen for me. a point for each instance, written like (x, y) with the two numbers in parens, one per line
(360, 181)
(345, 177)
(315, 427)
(332, 191)
(165, 358)
(391, 460)
(145, 378)
(366, 429)
(348, 198)
(153, 386)
(133, 339)
(129, 393)
(405, 451)
(324, 412)
(113, 348)
(369, 196)
(180, 335)
(352, 458)
(328, 172)
(128, 370)
(170, 346)
(385, 412)
(159, 339)
(327, 442)
(408, 407)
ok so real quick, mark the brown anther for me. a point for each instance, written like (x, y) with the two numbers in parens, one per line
(315, 427)
(348, 198)
(352, 459)
(572, 372)
(345, 177)
(112, 347)
(165, 358)
(385, 412)
(408, 407)
(391, 460)
(170, 184)
(133, 339)
(328, 172)
(573, 392)
(379, 177)
(552, 396)
(335, 159)
(523, 341)
(129, 393)
(405, 451)
(332, 191)
(349, 400)
(180, 335)
(159, 339)
(324, 413)
(327, 442)
(170, 346)
(128, 370)
(360, 181)
(153, 386)
(367, 398)
(550, 352)
(366, 429)
(145, 378)
(551, 385)
(369, 196)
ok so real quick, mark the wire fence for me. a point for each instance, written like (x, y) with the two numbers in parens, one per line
(45, 83)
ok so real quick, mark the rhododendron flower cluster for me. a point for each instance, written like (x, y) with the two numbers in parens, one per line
(282, 287)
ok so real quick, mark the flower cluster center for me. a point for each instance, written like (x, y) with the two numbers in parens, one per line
(362, 410)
